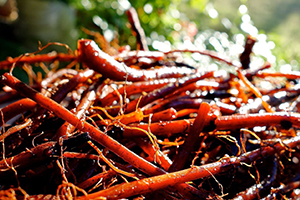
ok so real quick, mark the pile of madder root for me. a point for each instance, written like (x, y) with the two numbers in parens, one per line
(117, 123)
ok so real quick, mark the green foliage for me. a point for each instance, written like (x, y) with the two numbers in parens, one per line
(171, 21)
(112, 13)
(198, 4)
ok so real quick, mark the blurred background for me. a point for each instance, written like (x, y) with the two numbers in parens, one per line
(219, 25)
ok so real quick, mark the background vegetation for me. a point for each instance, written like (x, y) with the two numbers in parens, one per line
(220, 25)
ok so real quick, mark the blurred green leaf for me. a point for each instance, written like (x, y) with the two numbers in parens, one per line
(199, 4)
